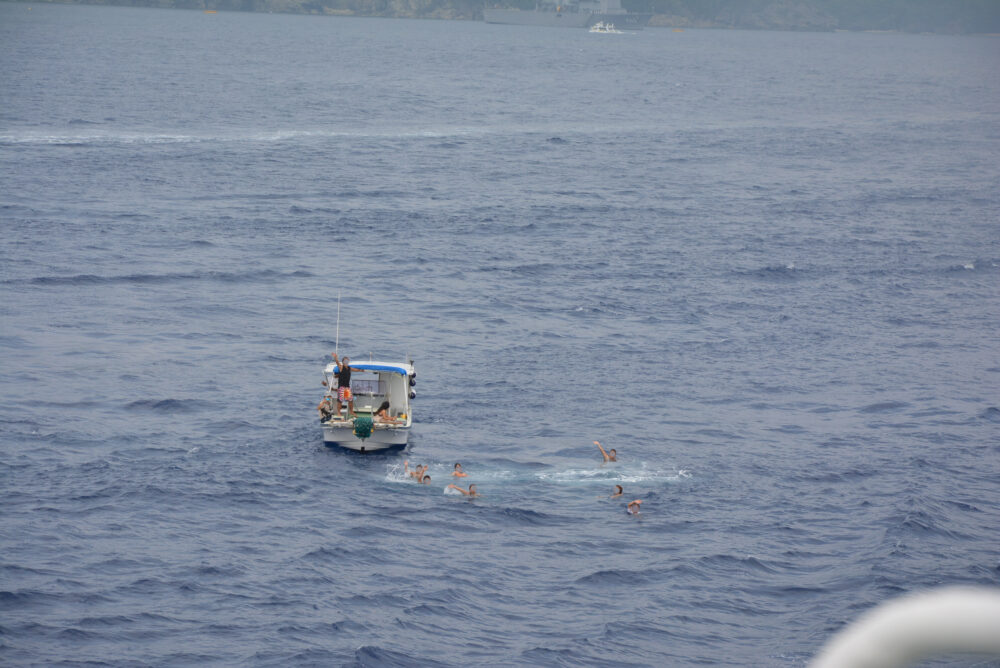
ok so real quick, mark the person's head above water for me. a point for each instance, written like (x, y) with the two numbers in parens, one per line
(425, 480)
(618, 490)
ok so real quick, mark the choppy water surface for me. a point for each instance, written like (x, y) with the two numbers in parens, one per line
(762, 266)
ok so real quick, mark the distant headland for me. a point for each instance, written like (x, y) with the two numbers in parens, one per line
(915, 16)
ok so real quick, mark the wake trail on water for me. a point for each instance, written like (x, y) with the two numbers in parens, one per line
(640, 473)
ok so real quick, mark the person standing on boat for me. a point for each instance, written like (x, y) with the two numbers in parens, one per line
(343, 375)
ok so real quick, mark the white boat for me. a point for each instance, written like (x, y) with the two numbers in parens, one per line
(601, 26)
(371, 384)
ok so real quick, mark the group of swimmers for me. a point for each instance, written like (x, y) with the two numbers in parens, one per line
(420, 475)
(633, 507)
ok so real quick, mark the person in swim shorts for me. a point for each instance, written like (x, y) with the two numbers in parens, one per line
(344, 384)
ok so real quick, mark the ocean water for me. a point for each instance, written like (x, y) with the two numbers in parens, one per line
(765, 267)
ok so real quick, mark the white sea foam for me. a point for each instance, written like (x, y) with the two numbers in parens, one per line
(614, 474)
(395, 473)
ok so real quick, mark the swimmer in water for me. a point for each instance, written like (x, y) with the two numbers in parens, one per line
(633, 507)
(472, 490)
(611, 456)
(417, 473)
(426, 480)
(458, 472)
(618, 492)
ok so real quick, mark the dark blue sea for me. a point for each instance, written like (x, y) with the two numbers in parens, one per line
(765, 267)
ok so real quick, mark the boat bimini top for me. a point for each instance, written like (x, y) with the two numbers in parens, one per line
(375, 367)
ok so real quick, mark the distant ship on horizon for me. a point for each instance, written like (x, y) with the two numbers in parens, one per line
(569, 14)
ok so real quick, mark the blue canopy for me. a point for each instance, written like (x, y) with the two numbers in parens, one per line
(402, 369)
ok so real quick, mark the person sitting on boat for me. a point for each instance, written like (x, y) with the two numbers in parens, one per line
(325, 408)
(343, 375)
(633, 507)
(610, 456)
(458, 472)
(470, 492)
(382, 414)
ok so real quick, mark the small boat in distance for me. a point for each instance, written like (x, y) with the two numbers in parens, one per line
(601, 26)
(372, 383)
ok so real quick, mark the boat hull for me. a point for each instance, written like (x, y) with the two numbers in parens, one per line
(382, 438)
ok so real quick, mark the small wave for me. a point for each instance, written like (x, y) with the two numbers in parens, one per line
(614, 577)
(326, 555)
(774, 272)
(347, 626)
(141, 279)
(728, 561)
(526, 517)
(883, 407)
(18, 600)
(372, 655)
(992, 414)
(15, 342)
(77, 634)
(168, 405)
(108, 620)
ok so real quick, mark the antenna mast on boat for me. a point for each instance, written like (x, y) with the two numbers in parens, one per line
(337, 343)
